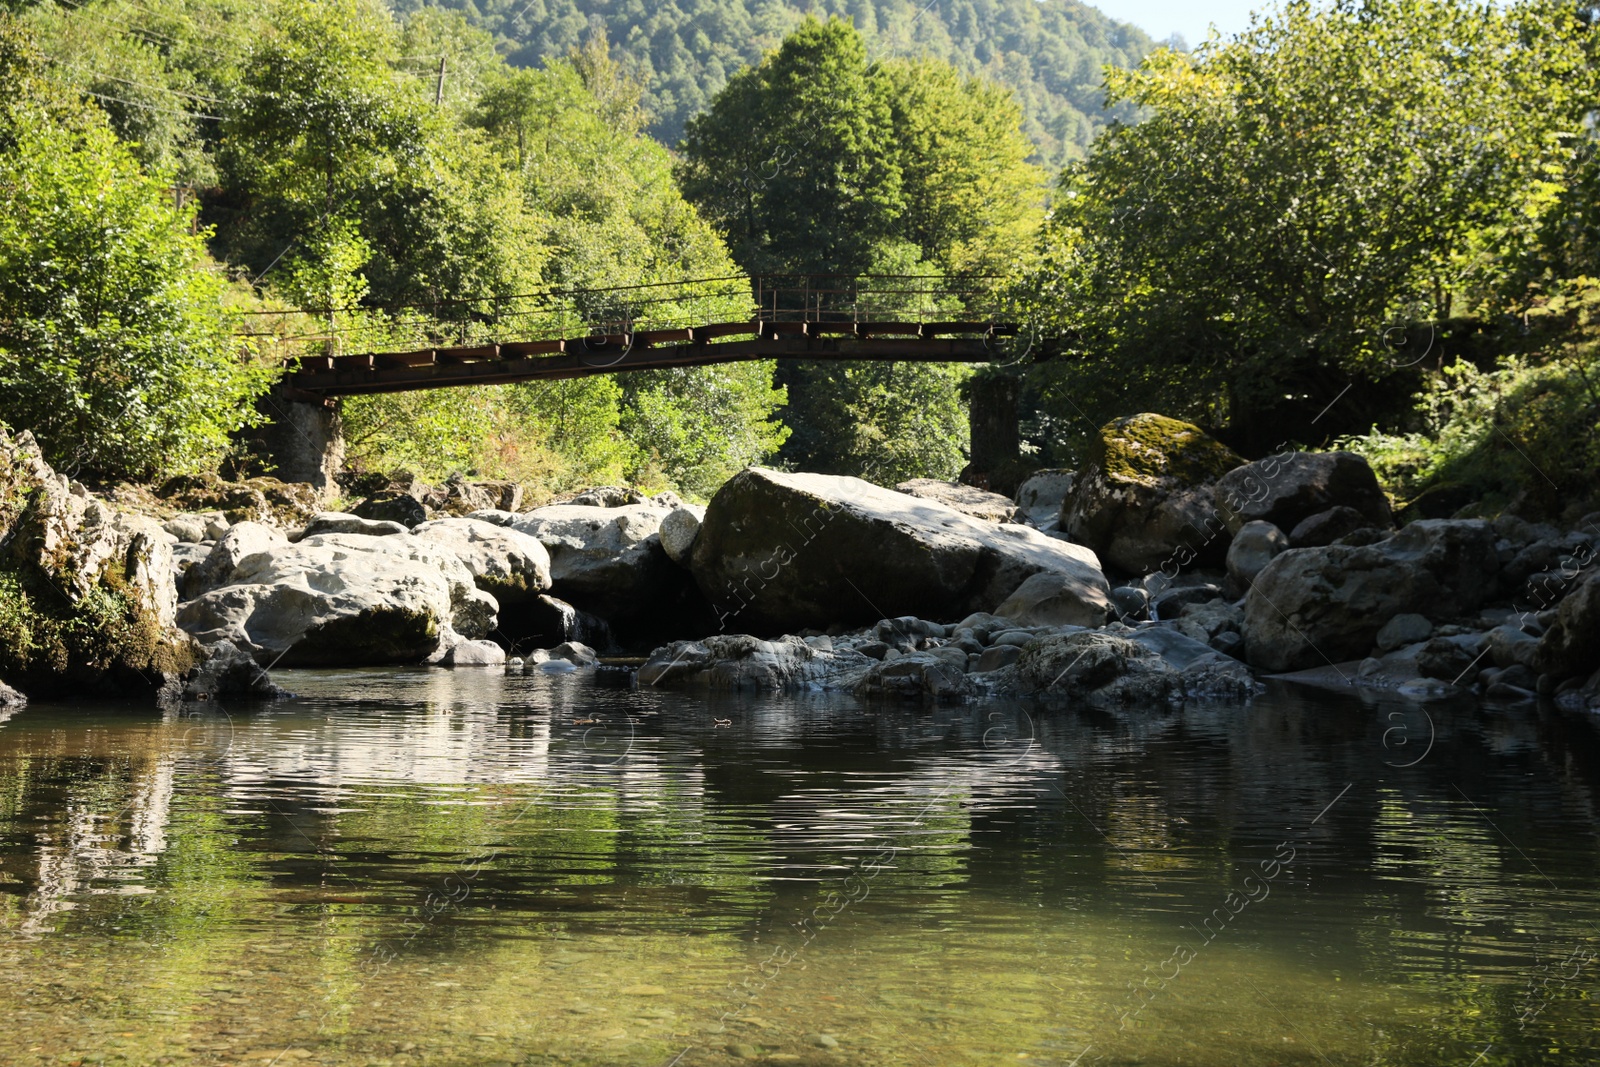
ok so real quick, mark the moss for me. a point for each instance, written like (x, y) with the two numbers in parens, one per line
(1146, 448)
(101, 641)
(375, 636)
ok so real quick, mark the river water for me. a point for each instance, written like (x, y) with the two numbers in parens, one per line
(426, 867)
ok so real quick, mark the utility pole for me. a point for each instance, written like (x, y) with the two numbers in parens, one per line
(438, 88)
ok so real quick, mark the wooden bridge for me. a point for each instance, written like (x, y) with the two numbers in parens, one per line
(913, 318)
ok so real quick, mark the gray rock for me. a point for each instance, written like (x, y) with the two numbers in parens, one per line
(998, 656)
(1093, 666)
(10, 698)
(1040, 495)
(1145, 500)
(1206, 622)
(1405, 629)
(1170, 601)
(242, 541)
(1319, 605)
(1130, 602)
(607, 496)
(187, 529)
(229, 673)
(679, 528)
(924, 675)
(475, 654)
(1326, 527)
(1452, 659)
(1218, 676)
(1054, 599)
(341, 522)
(86, 549)
(967, 499)
(338, 599)
(607, 560)
(785, 552)
(1510, 646)
(575, 652)
(739, 661)
(1177, 649)
(392, 506)
(1571, 646)
(1288, 488)
(509, 565)
(1254, 546)
(493, 516)
(553, 621)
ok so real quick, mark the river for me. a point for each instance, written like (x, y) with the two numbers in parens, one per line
(427, 867)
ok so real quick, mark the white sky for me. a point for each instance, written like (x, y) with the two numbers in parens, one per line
(1162, 18)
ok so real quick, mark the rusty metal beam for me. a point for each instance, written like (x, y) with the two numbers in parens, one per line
(581, 360)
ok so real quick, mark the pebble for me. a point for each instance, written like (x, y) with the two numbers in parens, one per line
(825, 1041)
(645, 991)
(741, 1051)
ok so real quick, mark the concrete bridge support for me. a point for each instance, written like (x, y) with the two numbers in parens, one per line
(996, 463)
(303, 438)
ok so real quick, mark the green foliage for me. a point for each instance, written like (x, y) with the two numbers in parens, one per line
(971, 200)
(792, 160)
(115, 347)
(818, 162)
(48, 642)
(684, 52)
(1240, 254)
(1524, 435)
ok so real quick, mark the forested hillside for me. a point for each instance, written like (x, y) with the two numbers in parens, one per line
(1050, 53)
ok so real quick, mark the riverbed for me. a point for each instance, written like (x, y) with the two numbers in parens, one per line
(464, 868)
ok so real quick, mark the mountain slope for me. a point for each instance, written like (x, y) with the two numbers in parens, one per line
(1049, 51)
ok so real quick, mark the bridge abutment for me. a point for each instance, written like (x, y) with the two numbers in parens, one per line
(996, 463)
(303, 439)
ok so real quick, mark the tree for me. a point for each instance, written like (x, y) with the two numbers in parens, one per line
(115, 346)
(1293, 196)
(792, 161)
(973, 202)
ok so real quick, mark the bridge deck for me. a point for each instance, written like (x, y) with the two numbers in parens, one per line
(434, 368)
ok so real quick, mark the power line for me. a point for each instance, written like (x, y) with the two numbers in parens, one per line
(159, 37)
(150, 107)
(137, 84)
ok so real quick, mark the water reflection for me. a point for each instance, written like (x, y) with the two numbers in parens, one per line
(436, 867)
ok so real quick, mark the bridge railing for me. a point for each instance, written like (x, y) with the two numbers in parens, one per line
(592, 311)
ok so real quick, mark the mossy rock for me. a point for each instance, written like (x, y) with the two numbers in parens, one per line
(1144, 449)
(99, 643)
(1145, 499)
(267, 500)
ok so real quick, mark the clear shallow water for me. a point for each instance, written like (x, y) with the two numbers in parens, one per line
(464, 869)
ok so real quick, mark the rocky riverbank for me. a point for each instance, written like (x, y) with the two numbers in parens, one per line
(1167, 567)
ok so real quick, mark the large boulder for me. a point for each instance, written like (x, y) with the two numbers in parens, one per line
(88, 593)
(1145, 498)
(340, 599)
(1288, 488)
(511, 566)
(967, 499)
(1571, 646)
(1313, 606)
(609, 560)
(782, 552)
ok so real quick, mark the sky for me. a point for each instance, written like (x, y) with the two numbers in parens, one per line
(1162, 18)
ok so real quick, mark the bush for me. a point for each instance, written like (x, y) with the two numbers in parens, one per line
(115, 348)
